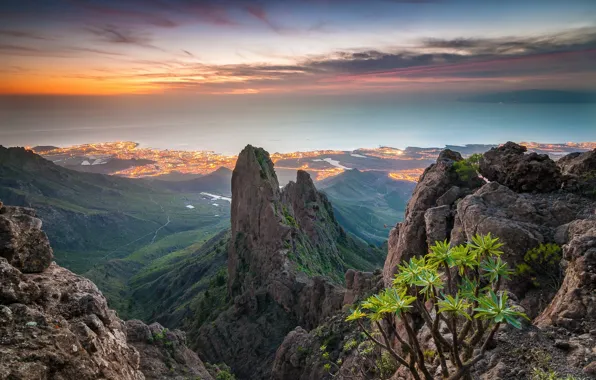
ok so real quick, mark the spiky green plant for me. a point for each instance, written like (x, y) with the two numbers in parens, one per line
(458, 286)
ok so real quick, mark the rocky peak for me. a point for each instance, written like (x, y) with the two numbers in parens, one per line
(511, 166)
(310, 208)
(527, 205)
(439, 186)
(55, 324)
(258, 231)
(286, 263)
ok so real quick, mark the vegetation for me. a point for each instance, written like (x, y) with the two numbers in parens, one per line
(94, 218)
(540, 374)
(468, 168)
(367, 204)
(220, 371)
(455, 286)
(541, 264)
(369, 361)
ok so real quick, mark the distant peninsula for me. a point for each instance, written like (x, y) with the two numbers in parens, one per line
(533, 96)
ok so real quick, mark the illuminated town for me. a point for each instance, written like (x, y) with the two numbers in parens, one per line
(128, 159)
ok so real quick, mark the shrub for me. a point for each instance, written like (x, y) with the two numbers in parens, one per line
(540, 374)
(458, 285)
(220, 371)
(468, 168)
(542, 263)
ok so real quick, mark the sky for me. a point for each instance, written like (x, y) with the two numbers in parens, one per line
(330, 47)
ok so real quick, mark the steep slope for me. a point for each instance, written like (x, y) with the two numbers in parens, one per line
(529, 203)
(217, 182)
(532, 201)
(55, 324)
(279, 240)
(92, 218)
(365, 203)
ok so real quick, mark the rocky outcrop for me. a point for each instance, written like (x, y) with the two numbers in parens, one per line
(57, 325)
(440, 186)
(303, 355)
(53, 323)
(528, 202)
(579, 170)
(509, 165)
(333, 350)
(582, 164)
(574, 306)
(22, 242)
(163, 353)
(286, 260)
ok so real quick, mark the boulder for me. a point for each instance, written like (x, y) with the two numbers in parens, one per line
(579, 164)
(509, 165)
(574, 306)
(438, 222)
(22, 242)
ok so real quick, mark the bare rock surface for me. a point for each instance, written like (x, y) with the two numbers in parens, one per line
(581, 164)
(511, 166)
(574, 306)
(163, 353)
(22, 242)
(526, 203)
(57, 325)
(439, 185)
(286, 260)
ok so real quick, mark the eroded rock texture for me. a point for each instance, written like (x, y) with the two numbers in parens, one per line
(440, 186)
(163, 353)
(527, 200)
(286, 260)
(511, 166)
(55, 324)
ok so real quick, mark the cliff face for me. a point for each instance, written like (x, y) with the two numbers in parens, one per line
(438, 189)
(53, 323)
(530, 202)
(286, 262)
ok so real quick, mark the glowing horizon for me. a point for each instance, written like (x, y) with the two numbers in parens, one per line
(238, 47)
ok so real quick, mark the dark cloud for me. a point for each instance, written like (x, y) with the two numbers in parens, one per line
(117, 35)
(578, 39)
(569, 53)
(127, 12)
(51, 51)
(21, 34)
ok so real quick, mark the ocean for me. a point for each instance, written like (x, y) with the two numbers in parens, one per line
(285, 125)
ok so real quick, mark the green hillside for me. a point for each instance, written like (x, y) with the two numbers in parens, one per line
(367, 204)
(93, 218)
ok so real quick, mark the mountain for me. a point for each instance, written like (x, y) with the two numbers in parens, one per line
(92, 218)
(287, 257)
(534, 96)
(218, 182)
(55, 324)
(531, 203)
(365, 203)
(269, 296)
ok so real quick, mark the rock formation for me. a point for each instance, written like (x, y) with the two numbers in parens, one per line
(511, 166)
(440, 186)
(53, 323)
(286, 260)
(163, 353)
(526, 204)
